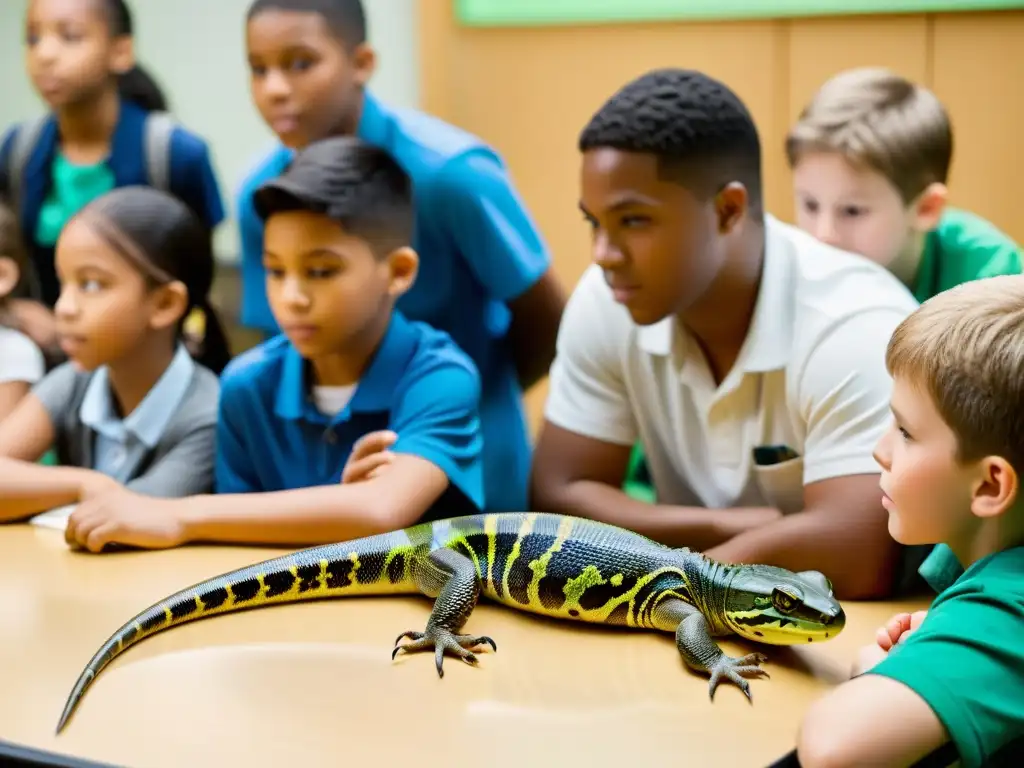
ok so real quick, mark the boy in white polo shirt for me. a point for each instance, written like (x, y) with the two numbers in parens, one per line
(746, 356)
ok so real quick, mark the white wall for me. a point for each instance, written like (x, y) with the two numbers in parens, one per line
(195, 49)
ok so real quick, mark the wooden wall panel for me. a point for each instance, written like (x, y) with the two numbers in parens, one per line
(821, 48)
(530, 91)
(978, 72)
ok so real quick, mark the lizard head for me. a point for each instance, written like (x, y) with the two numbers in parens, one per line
(779, 607)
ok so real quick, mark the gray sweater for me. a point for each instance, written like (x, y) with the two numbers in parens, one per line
(182, 461)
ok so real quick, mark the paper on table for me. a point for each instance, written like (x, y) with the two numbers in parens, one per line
(56, 518)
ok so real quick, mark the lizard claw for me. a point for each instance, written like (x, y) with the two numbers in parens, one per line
(441, 640)
(736, 670)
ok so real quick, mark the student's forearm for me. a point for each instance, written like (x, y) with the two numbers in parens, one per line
(694, 527)
(533, 333)
(307, 517)
(531, 367)
(533, 351)
(857, 561)
(27, 489)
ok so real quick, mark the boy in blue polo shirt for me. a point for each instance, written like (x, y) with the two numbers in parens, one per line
(289, 468)
(485, 275)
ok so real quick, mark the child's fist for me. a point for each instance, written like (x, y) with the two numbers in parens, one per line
(898, 628)
(369, 457)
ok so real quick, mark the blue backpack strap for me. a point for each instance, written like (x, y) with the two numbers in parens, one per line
(159, 127)
(23, 144)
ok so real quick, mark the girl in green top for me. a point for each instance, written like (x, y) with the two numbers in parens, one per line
(106, 128)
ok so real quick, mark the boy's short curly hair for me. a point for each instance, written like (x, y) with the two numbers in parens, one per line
(699, 129)
(357, 184)
(878, 119)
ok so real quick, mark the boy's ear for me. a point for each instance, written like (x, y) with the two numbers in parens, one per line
(996, 488)
(929, 207)
(170, 305)
(9, 276)
(731, 205)
(364, 63)
(403, 264)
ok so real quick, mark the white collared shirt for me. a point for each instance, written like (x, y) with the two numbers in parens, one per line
(20, 359)
(811, 375)
(116, 437)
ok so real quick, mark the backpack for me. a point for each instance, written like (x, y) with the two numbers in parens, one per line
(157, 145)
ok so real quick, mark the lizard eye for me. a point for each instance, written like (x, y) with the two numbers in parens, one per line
(784, 599)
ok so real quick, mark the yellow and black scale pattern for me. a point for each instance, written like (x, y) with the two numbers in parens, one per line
(548, 564)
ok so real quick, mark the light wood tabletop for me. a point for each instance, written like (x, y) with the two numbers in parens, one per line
(315, 682)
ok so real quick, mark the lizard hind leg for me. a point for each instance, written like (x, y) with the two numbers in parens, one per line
(451, 579)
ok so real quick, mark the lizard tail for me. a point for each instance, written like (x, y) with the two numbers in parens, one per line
(374, 565)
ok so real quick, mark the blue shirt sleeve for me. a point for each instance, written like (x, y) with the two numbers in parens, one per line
(487, 219)
(256, 311)
(193, 178)
(438, 419)
(233, 470)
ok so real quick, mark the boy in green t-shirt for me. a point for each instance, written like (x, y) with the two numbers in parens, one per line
(870, 156)
(950, 686)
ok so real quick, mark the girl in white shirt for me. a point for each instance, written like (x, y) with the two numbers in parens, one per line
(21, 362)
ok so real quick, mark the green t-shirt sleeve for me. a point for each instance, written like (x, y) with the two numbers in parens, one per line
(965, 247)
(967, 662)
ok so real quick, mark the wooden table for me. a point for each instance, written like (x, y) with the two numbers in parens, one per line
(315, 682)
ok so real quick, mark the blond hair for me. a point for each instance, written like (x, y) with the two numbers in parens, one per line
(965, 347)
(874, 117)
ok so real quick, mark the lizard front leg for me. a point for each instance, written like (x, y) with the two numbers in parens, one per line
(451, 579)
(701, 652)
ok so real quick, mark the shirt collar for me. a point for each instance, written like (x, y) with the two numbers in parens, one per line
(375, 389)
(150, 418)
(374, 121)
(769, 338)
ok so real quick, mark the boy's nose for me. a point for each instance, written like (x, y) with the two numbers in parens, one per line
(826, 231)
(276, 85)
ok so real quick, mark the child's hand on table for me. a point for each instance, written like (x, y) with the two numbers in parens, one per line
(370, 456)
(895, 631)
(898, 629)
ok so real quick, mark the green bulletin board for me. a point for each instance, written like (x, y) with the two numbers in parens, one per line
(515, 13)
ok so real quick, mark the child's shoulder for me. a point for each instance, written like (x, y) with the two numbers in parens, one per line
(976, 244)
(431, 135)
(200, 401)
(20, 358)
(435, 153)
(436, 351)
(187, 144)
(828, 283)
(998, 573)
(268, 164)
(257, 368)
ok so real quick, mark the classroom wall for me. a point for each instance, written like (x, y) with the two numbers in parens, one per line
(530, 91)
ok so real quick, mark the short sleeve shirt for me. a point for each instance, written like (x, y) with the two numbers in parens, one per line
(811, 376)
(20, 359)
(966, 660)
